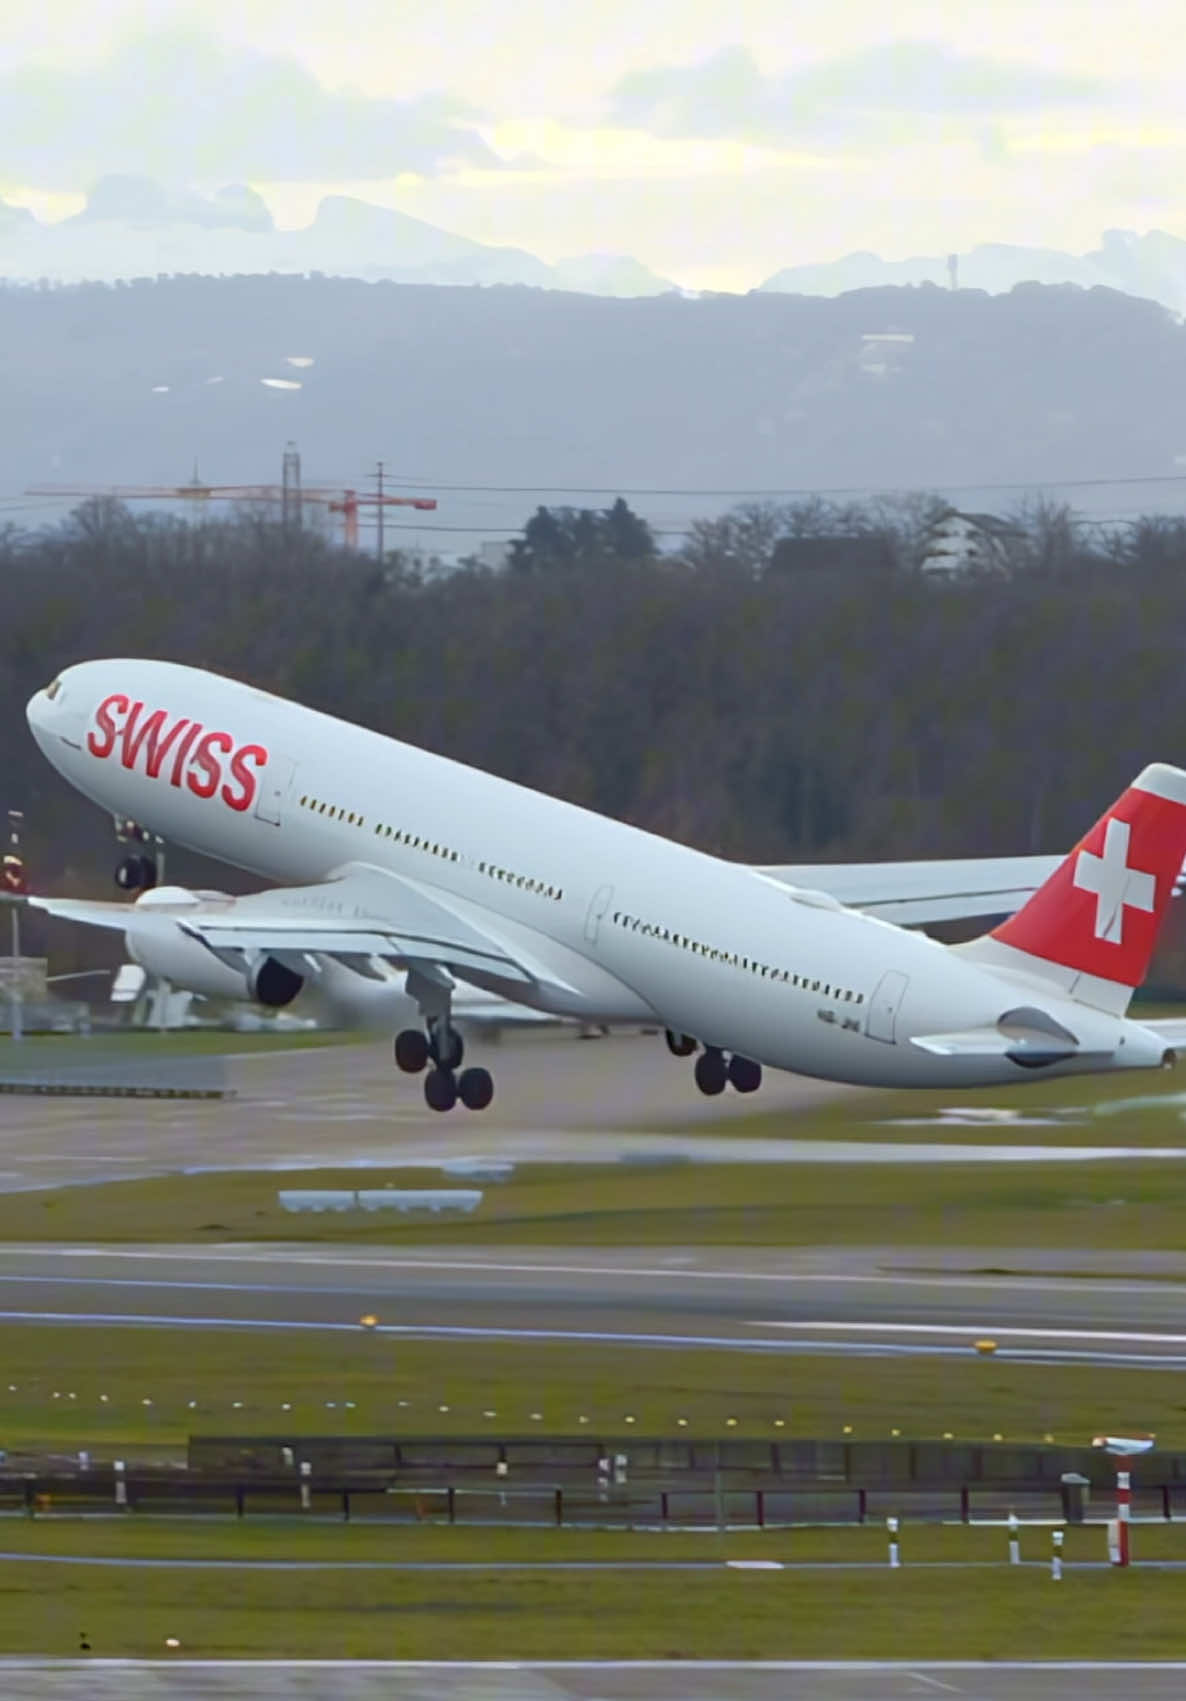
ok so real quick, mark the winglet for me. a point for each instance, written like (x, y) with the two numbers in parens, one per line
(1101, 910)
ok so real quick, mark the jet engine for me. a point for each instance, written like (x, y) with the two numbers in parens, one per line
(156, 940)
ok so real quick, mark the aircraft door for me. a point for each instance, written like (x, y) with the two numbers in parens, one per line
(884, 1006)
(602, 899)
(275, 783)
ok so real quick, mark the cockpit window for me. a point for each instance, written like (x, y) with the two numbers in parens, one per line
(51, 691)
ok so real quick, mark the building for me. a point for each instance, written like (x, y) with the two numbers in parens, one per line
(969, 543)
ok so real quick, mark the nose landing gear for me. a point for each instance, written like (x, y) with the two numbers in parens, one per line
(144, 867)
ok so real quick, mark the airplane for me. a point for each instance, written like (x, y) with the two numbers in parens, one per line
(394, 859)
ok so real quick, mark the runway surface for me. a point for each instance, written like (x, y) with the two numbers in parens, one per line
(764, 1299)
(558, 1100)
(765, 1680)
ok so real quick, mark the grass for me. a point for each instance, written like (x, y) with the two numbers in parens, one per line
(398, 1386)
(1105, 1206)
(1129, 1108)
(910, 1613)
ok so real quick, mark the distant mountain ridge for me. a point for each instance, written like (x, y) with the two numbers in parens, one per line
(1152, 266)
(134, 227)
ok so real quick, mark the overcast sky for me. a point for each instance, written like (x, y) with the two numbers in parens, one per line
(714, 142)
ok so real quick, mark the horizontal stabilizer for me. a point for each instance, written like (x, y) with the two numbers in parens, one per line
(1027, 1037)
(910, 893)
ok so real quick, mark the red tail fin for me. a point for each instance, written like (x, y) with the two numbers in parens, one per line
(1101, 910)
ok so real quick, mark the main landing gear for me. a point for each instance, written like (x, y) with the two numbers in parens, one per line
(440, 1051)
(713, 1070)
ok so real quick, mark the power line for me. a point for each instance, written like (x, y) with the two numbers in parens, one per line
(793, 490)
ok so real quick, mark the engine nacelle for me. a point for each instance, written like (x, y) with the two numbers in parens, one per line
(158, 945)
(157, 942)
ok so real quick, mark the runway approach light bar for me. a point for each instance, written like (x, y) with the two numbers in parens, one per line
(1124, 1446)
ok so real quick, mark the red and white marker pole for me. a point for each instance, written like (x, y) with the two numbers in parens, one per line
(1123, 1513)
(1123, 1448)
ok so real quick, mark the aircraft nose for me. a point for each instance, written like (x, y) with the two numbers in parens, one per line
(51, 720)
(36, 713)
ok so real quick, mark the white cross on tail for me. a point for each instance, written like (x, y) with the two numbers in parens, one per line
(1115, 885)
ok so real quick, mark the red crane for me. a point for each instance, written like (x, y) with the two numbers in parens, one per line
(337, 501)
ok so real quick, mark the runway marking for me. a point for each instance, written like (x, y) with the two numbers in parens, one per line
(934, 1683)
(248, 1253)
(1137, 1337)
(598, 1337)
(26, 1662)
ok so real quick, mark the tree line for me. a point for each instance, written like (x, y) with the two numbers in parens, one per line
(720, 695)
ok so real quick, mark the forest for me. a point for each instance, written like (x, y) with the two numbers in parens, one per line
(721, 695)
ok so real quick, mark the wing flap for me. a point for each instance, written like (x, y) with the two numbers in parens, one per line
(448, 946)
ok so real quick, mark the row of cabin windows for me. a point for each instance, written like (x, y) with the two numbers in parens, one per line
(398, 836)
(735, 959)
(525, 881)
(417, 842)
(332, 811)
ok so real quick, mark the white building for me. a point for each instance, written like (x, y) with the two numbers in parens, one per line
(969, 543)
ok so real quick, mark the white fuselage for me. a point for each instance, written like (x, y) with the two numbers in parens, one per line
(634, 926)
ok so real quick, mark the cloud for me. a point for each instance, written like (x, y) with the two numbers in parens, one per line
(185, 107)
(852, 96)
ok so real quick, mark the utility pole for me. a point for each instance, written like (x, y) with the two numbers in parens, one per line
(14, 872)
(290, 489)
(379, 508)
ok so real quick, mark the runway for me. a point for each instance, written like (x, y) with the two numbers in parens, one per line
(558, 1100)
(598, 1680)
(767, 1300)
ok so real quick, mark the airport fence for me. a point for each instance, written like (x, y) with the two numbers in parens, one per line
(820, 1464)
(612, 1489)
(602, 1503)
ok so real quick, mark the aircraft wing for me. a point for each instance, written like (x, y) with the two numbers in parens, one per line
(912, 892)
(360, 916)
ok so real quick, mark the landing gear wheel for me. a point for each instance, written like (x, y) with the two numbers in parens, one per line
(136, 874)
(440, 1089)
(679, 1045)
(475, 1088)
(744, 1075)
(446, 1047)
(711, 1072)
(411, 1051)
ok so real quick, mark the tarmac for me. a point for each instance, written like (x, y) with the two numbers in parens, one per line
(510, 1680)
(558, 1099)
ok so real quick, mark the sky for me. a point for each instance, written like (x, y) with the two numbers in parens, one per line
(716, 143)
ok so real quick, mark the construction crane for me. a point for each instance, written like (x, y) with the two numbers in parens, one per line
(290, 495)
